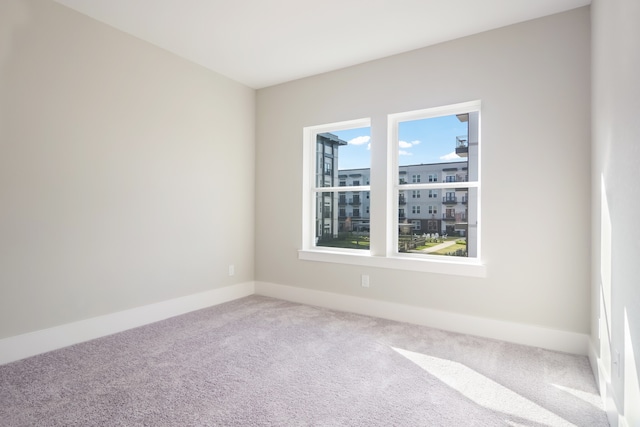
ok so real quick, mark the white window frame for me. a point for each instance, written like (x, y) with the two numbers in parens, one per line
(384, 173)
(310, 190)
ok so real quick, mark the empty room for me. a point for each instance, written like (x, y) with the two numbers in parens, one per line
(297, 213)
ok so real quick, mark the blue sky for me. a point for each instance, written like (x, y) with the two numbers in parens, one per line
(430, 140)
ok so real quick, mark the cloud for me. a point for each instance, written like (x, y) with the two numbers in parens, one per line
(359, 140)
(405, 144)
(450, 156)
(405, 153)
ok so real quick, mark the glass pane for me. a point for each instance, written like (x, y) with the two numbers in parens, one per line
(343, 157)
(434, 150)
(442, 222)
(342, 219)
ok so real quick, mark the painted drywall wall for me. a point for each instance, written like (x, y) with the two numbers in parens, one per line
(126, 173)
(616, 203)
(533, 81)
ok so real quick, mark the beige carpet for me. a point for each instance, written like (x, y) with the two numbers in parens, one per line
(264, 362)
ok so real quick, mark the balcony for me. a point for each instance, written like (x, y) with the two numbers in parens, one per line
(465, 200)
(402, 200)
(342, 201)
(456, 178)
(355, 201)
(462, 146)
(452, 200)
(448, 217)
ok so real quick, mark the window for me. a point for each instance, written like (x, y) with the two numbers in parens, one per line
(327, 168)
(383, 235)
(341, 156)
(450, 198)
(436, 151)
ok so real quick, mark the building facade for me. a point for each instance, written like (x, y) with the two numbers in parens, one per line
(442, 211)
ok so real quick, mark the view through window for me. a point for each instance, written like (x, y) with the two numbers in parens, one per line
(436, 175)
(342, 208)
(435, 158)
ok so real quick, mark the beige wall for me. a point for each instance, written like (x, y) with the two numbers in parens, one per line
(616, 204)
(126, 173)
(533, 81)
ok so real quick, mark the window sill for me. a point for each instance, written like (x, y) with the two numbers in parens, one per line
(458, 267)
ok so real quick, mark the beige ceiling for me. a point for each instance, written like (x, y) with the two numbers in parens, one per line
(265, 42)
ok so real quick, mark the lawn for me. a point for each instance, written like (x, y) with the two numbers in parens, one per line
(349, 242)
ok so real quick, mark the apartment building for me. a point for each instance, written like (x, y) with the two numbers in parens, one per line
(442, 211)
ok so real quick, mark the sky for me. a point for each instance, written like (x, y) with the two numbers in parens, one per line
(431, 140)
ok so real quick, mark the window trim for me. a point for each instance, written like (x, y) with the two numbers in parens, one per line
(385, 255)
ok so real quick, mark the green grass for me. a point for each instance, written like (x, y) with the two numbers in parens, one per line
(349, 243)
(427, 245)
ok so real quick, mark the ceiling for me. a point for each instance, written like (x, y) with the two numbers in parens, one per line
(266, 42)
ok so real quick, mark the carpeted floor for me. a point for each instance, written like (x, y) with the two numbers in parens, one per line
(259, 361)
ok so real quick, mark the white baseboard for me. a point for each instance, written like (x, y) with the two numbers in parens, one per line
(32, 343)
(552, 339)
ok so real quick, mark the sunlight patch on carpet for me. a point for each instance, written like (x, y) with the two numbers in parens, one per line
(482, 390)
(590, 398)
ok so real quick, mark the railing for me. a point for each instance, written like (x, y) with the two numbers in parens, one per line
(450, 200)
(462, 146)
(456, 178)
